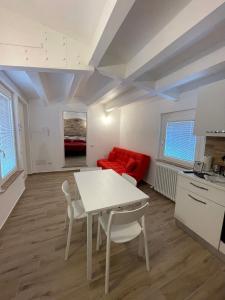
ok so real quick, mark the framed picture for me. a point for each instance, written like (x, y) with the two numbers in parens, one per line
(198, 166)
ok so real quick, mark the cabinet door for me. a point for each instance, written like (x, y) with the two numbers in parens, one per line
(210, 108)
(201, 215)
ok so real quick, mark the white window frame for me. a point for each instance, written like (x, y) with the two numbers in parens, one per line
(8, 95)
(184, 115)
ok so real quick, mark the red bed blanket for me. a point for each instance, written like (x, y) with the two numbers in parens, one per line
(75, 146)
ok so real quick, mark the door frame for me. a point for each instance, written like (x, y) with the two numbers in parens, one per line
(62, 134)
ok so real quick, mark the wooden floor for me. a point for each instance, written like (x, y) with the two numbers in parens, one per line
(75, 161)
(32, 247)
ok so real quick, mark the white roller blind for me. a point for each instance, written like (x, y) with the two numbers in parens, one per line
(7, 138)
(180, 143)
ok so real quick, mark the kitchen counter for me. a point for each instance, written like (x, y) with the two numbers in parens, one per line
(200, 207)
(217, 185)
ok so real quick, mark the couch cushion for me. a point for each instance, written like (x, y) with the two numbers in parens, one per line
(121, 161)
(131, 164)
(112, 156)
(105, 164)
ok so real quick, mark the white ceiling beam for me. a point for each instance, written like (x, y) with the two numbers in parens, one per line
(75, 82)
(113, 71)
(126, 98)
(114, 13)
(146, 85)
(150, 87)
(195, 20)
(4, 78)
(71, 87)
(169, 95)
(208, 67)
(99, 96)
(79, 68)
(39, 86)
(201, 68)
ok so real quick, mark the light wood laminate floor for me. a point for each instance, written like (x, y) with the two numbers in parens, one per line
(75, 161)
(32, 245)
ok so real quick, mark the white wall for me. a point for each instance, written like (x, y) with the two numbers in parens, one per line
(46, 134)
(103, 132)
(141, 121)
(135, 126)
(9, 198)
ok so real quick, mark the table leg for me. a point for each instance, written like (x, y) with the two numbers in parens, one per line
(89, 246)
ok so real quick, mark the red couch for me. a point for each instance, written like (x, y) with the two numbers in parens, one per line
(126, 161)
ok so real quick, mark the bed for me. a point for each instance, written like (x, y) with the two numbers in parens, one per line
(75, 146)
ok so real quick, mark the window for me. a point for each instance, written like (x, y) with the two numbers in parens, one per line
(8, 161)
(178, 142)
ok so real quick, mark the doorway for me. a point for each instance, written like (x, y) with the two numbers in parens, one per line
(75, 134)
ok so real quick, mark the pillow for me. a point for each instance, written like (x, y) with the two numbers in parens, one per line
(112, 156)
(131, 164)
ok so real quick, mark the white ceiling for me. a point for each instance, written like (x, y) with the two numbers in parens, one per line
(94, 83)
(75, 18)
(144, 21)
(23, 82)
(116, 92)
(56, 85)
(118, 76)
(206, 44)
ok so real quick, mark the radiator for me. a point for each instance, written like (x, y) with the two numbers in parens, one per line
(166, 180)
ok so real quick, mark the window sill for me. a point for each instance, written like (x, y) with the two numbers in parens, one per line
(175, 164)
(10, 181)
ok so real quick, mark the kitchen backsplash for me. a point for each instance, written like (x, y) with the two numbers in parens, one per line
(215, 147)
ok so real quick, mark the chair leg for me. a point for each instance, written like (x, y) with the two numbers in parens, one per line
(146, 250)
(107, 266)
(98, 236)
(66, 218)
(140, 246)
(68, 239)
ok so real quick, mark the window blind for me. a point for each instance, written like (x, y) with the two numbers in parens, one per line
(180, 142)
(7, 138)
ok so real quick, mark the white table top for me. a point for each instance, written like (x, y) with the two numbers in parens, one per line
(105, 189)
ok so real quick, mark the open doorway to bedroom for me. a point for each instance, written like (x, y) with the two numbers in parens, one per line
(75, 134)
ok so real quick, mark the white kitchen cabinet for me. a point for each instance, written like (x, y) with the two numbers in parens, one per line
(210, 112)
(222, 247)
(197, 210)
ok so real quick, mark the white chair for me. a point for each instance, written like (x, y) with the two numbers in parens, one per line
(129, 178)
(122, 227)
(75, 210)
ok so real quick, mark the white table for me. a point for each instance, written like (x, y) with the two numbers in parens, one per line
(102, 190)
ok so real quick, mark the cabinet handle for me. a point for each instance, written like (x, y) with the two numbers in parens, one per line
(196, 199)
(200, 187)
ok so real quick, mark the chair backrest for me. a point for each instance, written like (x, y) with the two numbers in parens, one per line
(126, 217)
(129, 178)
(66, 191)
